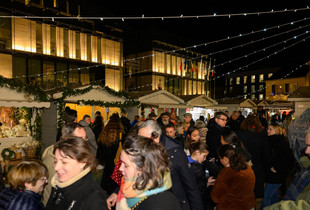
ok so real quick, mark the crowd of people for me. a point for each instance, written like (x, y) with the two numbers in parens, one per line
(163, 162)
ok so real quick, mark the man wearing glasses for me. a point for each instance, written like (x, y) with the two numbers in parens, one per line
(215, 132)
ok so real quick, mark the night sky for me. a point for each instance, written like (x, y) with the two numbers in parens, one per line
(192, 32)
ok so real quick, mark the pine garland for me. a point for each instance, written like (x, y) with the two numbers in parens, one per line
(28, 90)
(70, 91)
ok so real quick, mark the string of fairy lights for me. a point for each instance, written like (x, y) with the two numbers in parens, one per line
(144, 17)
(224, 39)
(264, 88)
(204, 44)
(198, 45)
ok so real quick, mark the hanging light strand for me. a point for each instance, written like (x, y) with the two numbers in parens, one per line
(159, 17)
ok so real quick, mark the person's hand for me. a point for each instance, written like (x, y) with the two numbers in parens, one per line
(111, 200)
(273, 170)
(211, 181)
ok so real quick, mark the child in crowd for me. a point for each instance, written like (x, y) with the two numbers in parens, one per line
(198, 153)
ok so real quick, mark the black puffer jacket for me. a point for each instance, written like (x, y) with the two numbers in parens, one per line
(183, 183)
(20, 199)
(83, 194)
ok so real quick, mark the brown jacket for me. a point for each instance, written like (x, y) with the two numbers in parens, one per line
(234, 190)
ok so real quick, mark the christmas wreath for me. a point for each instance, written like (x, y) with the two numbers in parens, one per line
(7, 153)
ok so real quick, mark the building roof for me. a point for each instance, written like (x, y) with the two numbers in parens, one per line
(301, 92)
(290, 72)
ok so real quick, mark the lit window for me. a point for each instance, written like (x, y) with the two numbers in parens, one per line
(253, 79)
(261, 96)
(245, 79)
(269, 75)
(238, 80)
(261, 78)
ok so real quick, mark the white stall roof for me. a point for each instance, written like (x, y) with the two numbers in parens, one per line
(96, 93)
(160, 98)
(9, 98)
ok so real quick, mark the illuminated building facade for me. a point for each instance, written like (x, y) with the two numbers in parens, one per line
(167, 67)
(52, 52)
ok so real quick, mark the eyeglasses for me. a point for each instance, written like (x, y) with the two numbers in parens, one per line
(222, 119)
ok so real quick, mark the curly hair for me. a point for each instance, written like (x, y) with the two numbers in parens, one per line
(251, 123)
(149, 157)
(236, 160)
(111, 133)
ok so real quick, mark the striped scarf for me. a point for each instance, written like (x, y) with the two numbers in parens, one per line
(128, 197)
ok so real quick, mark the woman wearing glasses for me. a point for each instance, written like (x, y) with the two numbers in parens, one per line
(27, 181)
(73, 186)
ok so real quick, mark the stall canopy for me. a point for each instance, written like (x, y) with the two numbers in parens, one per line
(248, 103)
(263, 103)
(201, 101)
(10, 97)
(97, 93)
(160, 98)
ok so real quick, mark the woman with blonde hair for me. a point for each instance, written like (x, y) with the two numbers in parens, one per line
(27, 181)
(281, 160)
(110, 138)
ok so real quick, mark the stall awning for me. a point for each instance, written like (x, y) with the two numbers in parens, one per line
(248, 103)
(95, 94)
(199, 101)
(9, 98)
(160, 98)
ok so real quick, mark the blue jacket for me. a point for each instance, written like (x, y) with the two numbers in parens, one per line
(20, 199)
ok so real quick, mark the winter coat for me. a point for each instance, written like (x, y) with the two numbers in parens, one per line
(48, 160)
(162, 201)
(282, 159)
(214, 139)
(20, 199)
(257, 145)
(91, 138)
(200, 178)
(234, 189)
(183, 184)
(80, 193)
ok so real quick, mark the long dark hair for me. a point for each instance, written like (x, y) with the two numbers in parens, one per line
(236, 160)
(149, 157)
(189, 132)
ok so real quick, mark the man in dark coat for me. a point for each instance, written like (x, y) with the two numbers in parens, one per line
(234, 121)
(183, 182)
(214, 134)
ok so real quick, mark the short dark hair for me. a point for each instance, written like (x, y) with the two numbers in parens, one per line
(68, 129)
(86, 116)
(70, 116)
(78, 149)
(219, 114)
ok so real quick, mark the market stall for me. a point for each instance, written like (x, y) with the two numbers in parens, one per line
(201, 105)
(91, 98)
(19, 113)
(158, 100)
